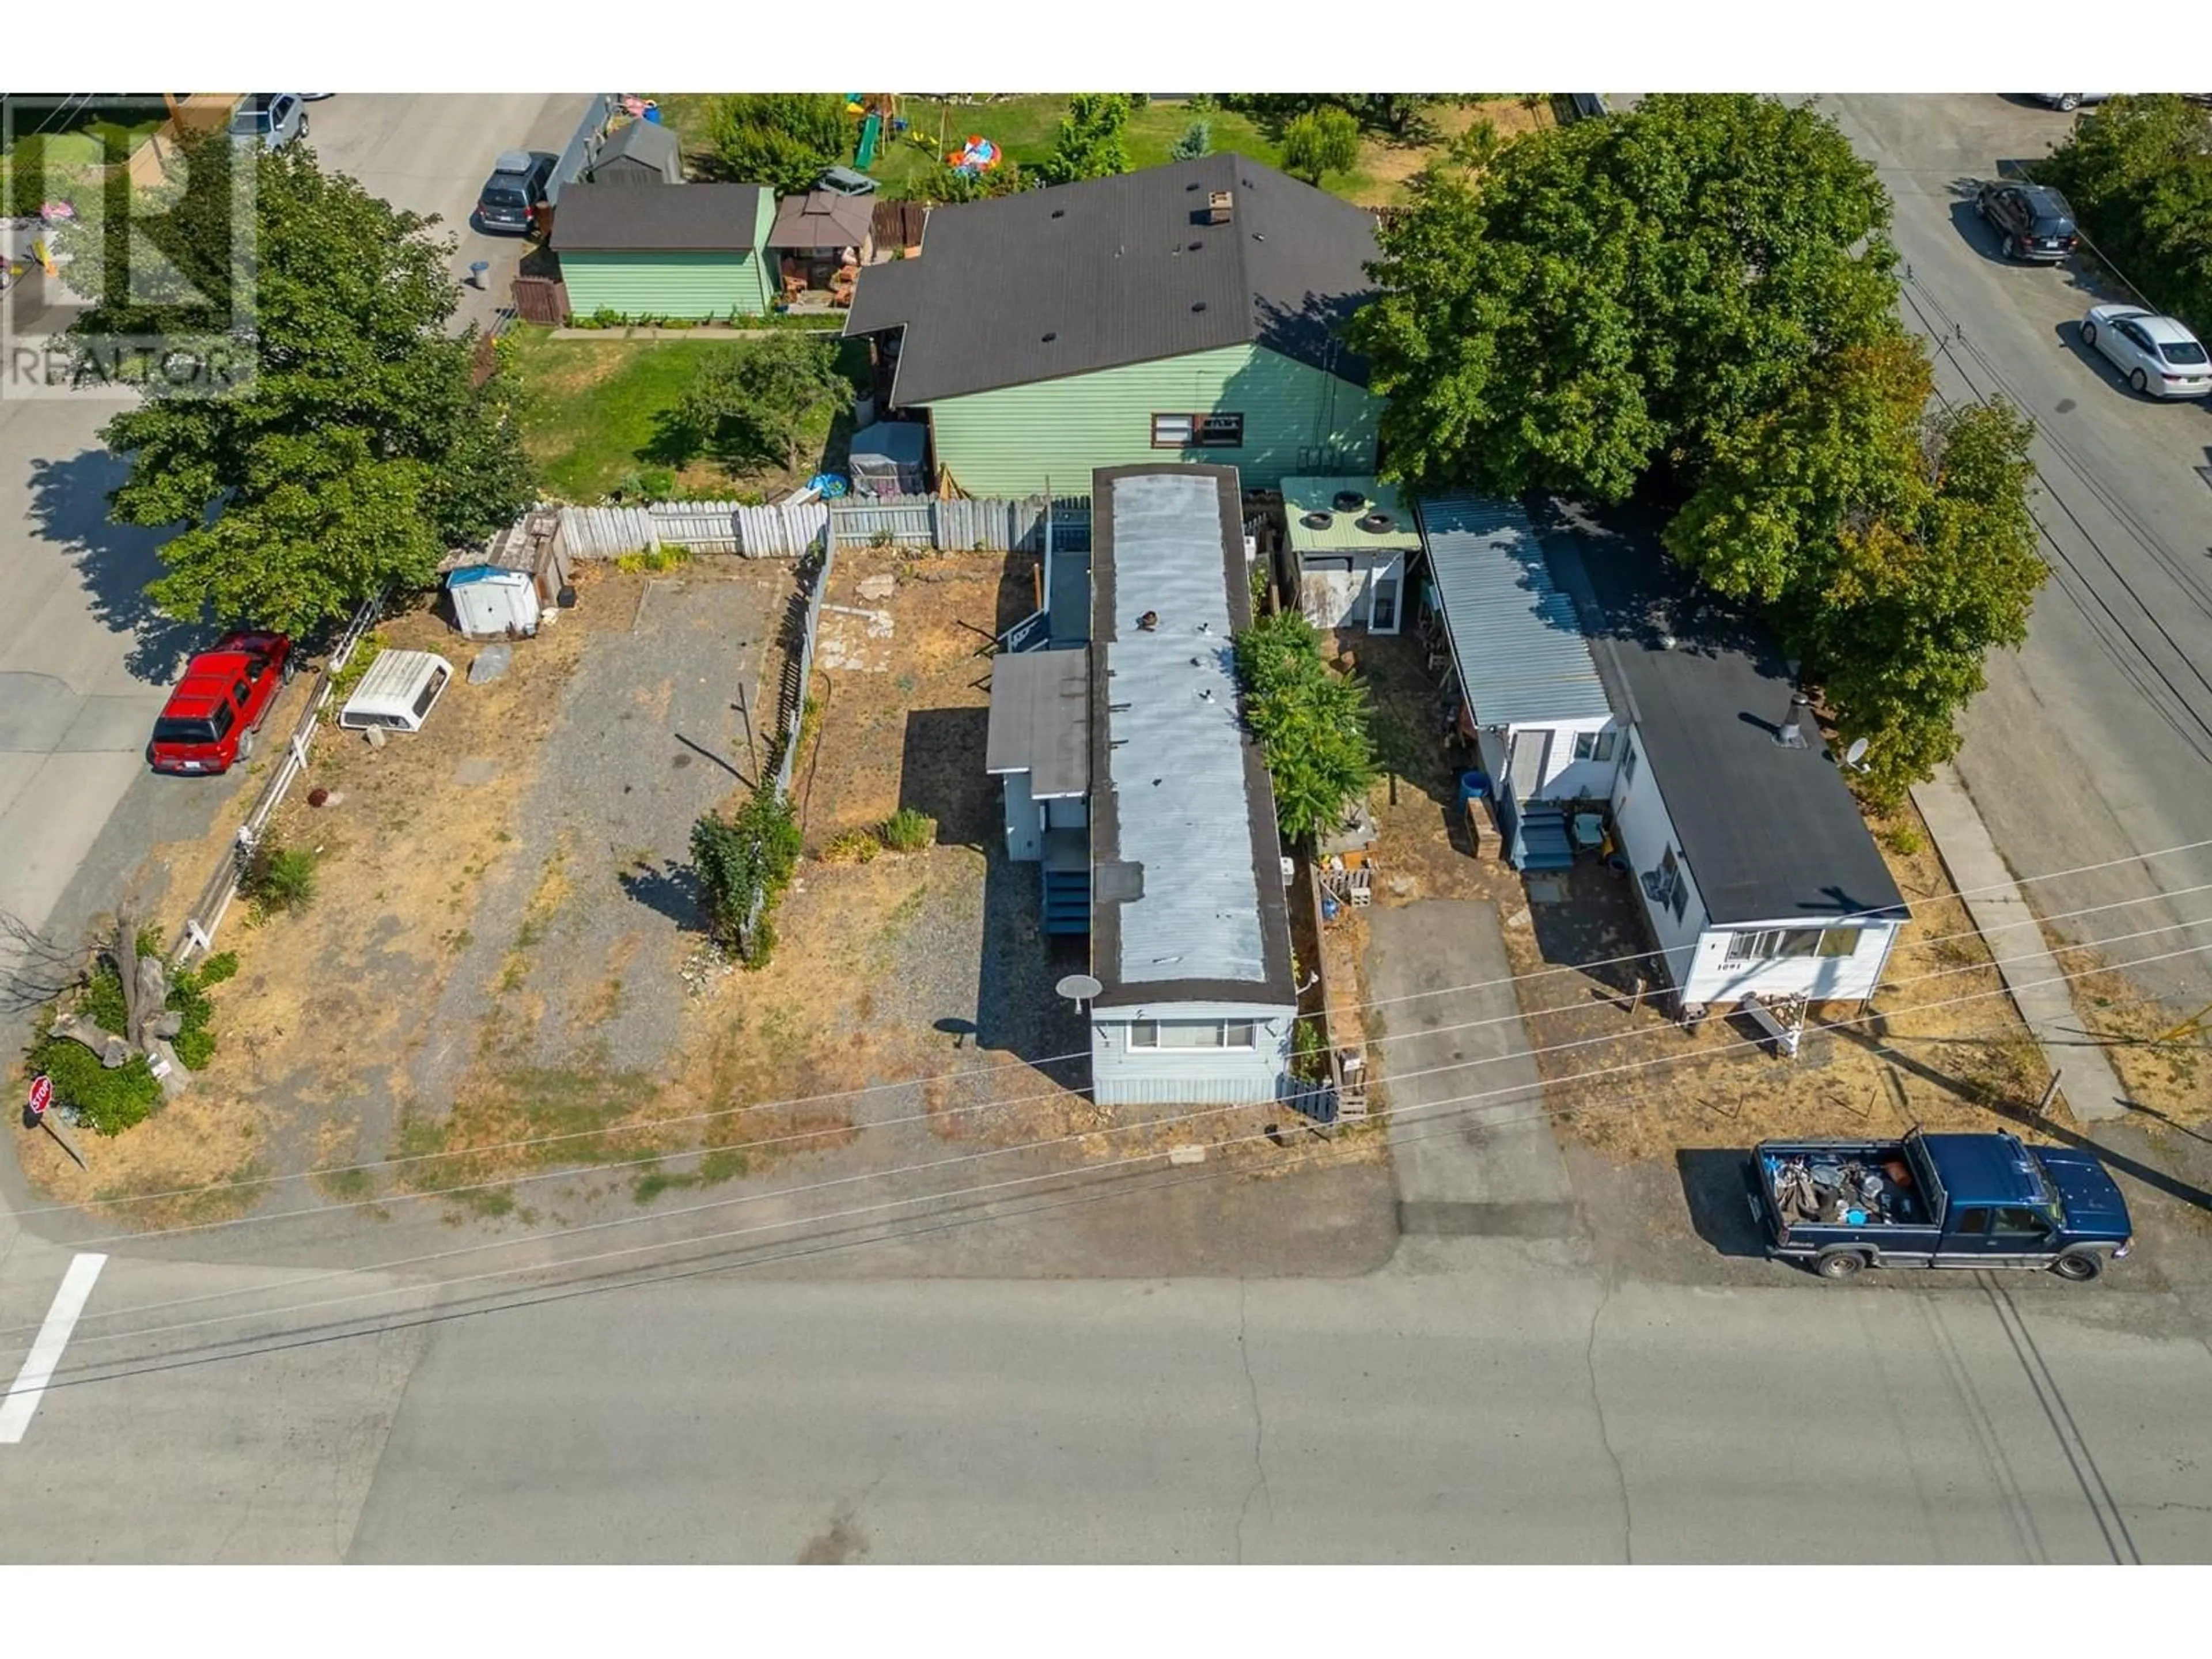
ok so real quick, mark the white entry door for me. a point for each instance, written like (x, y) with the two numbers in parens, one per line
(1532, 754)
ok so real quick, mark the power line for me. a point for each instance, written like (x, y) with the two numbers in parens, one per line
(1136, 1158)
(641, 1124)
(601, 1166)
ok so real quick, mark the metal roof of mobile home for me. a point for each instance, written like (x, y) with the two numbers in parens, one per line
(1186, 902)
(1522, 652)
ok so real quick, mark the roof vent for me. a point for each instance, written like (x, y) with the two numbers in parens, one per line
(1792, 734)
(1198, 305)
(1377, 522)
(1350, 500)
(1317, 521)
(1196, 246)
(1059, 213)
(1149, 621)
(1048, 336)
(1205, 694)
(1668, 642)
(1220, 206)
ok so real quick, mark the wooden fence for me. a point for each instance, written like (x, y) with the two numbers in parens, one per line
(541, 300)
(996, 526)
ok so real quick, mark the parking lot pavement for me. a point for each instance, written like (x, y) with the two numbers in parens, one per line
(2095, 740)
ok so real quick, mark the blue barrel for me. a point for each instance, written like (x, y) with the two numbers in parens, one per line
(1473, 785)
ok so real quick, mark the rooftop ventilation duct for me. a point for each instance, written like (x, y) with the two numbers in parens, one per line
(1219, 204)
(1792, 734)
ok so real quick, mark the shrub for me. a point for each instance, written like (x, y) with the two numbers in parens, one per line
(853, 846)
(1311, 721)
(1903, 840)
(222, 965)
(907, 830)
(279, 879)
(742, 861)
(106, 1101)
(102, 1003)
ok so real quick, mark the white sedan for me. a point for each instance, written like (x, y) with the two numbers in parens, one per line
(2154, 355)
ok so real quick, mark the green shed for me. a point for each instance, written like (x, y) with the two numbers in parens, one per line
(695, 251)
(1190, 313)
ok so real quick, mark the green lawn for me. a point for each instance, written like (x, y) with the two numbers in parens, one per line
(591, 413)
(1027, 124)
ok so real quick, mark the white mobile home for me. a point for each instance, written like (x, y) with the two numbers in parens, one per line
(1189, 929)
(1749, 855)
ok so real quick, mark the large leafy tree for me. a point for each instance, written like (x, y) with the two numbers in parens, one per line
(1697, 301)
(2139, 172)
(785, 140)
(361, 448)
(1619, 293)
(770, 399)
(1319, 142)
(1891, 549)
(1091, 145)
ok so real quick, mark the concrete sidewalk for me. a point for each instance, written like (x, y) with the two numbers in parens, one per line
(2007, 927)
(1484, 1166)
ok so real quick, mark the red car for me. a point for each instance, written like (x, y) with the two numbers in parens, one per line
(211, 719)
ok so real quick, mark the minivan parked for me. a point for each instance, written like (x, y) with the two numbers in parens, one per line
(515, 194)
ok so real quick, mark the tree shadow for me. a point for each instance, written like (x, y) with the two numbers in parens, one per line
(2026, 1118)
(669, 890)
(115, 562)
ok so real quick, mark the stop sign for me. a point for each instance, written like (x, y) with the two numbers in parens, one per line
(42, 1094)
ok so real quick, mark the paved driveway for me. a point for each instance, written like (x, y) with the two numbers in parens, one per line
(2096, 739)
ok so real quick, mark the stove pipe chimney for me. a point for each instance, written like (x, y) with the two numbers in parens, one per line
(1792, 734)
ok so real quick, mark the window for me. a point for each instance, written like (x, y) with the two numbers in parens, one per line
(1773, 943)
(1971, 1224)
(1383, 618)
(1198, 431)
(1194, 1034)
(437, 684)
(1595, 745)
(1628, 767)
(2021, 1224)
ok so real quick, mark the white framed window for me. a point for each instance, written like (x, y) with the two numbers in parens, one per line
(1155, 1034)
(1628, 765)
(1198, 431)
(1777, 944)
(1595, 745)
(1172, 431)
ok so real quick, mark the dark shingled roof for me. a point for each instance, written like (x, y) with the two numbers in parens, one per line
(1080, 277)
(611, 218)
(821, 218)
(649, 145)
(1771, 834)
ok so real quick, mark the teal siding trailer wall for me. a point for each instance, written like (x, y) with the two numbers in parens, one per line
(696, 285)
(1297, 420)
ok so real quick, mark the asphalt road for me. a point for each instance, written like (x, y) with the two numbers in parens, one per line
(1483, 1407)
(2095, 740)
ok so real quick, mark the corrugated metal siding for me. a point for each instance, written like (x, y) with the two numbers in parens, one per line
(1523, 657)
(697, 285)
(1297, 420)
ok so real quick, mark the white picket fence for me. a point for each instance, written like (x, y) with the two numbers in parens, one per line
(794, 529)
(994, 524)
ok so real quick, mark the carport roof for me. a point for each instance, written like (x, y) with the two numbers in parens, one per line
(1522, 653)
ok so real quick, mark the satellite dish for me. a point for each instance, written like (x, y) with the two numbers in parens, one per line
(1079, 987)
(1855, 753)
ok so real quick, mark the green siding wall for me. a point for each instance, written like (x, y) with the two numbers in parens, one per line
(697, 285)
(1008, 442)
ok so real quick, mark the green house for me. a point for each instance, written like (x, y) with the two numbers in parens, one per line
(1187, 313)
(696, 251)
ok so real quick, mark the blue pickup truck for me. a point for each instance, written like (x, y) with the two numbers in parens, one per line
(1937, 1201)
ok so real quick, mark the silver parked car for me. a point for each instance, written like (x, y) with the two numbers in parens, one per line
(271, 119)
(2069, 100)
(2155, 355)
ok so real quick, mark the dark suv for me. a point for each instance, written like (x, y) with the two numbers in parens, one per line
(514, 195)
(2032, 221)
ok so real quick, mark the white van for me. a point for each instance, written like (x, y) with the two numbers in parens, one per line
(397, 693)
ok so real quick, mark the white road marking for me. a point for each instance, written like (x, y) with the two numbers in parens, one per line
(30, 1385)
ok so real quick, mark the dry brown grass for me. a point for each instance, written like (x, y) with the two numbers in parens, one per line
(400, 838)
(1392, 165)
(2173, 1079)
